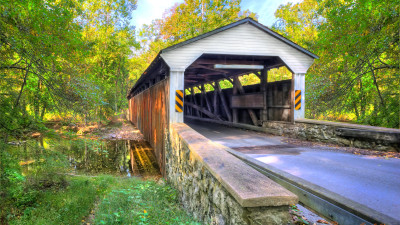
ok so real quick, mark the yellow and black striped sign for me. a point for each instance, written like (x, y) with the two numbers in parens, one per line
(179, 101)
(297, 100)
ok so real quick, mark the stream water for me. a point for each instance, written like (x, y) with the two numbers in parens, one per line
(86, 156)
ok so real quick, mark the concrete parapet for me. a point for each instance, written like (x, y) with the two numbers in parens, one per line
(217, 187)
(345, 134)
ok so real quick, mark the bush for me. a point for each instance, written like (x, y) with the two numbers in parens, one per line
(48, 171)
(20, 187)
(13, 193)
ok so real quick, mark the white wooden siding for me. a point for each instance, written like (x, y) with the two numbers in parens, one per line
(176, 82)
(299, 84)
(244, 39)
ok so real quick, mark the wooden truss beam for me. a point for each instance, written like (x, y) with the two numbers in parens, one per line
(194, 100)
(204, 93)
(241, 91)
(264, 89)
(205, 111)
(223, 101)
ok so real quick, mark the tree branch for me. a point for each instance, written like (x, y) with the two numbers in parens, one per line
(22, 87)
(376, 85)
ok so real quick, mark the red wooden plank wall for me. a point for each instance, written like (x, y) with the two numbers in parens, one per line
(149, 112)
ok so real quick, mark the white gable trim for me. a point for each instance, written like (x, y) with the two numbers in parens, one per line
(243, 39)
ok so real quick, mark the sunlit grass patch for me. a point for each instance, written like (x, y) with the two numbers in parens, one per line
(142, 203)
(119, 201)
(64, 206)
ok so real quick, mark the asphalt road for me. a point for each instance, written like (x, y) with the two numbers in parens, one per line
(371, 181)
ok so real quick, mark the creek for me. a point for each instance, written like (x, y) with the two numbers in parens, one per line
(90, 157)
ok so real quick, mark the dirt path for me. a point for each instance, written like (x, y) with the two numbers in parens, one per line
(119, 129)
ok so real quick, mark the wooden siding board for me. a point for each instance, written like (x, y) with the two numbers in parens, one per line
(253, 101)
(149, 112)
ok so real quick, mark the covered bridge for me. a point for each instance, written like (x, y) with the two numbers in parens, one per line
(173, 87)
(216, 186)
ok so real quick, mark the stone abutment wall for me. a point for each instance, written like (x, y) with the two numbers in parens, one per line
(218, 188)
(344, 134)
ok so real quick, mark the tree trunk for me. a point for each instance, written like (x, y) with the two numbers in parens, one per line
(362, 100)
(36, 102)
(43, 110)
(22, 86)
(116, 89)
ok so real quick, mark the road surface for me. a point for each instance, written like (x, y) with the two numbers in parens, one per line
(371, 181)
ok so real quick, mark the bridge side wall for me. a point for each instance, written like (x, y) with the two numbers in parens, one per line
(218, 188)
(344, 134)
(149, 112)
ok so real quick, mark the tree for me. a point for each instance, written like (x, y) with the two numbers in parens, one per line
(299, 22)
(194, 17)
(63, 56)
(364, 36)
(184, 21)
(38, 42)
(358, 69)
(107, 25)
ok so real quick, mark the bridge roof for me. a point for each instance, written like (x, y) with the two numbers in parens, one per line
(159, 68)
(242, 21)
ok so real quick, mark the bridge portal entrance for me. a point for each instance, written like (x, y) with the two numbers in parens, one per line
(215, 90)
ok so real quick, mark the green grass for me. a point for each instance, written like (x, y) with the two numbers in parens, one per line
(141, 203)
(119, 201)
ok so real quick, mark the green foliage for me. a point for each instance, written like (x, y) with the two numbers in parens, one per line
(195, 17)
(20, 188)
(249, 79)
(63, 57)
(121, 201)
(277, 74)
(11, 182)
(358, 69)
(38, 41)
(225, 84)
(47, 170)
(65, 206)
(299, 22)
(35, 187)
(140, 204)
(106, 24)
(184, 21)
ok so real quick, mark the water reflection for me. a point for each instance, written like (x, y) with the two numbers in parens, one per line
(142, 159)
(85, 156)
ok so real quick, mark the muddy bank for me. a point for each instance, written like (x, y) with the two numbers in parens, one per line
(119, 129)
(116, 129)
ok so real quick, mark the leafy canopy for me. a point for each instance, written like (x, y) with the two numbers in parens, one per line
(358, 69)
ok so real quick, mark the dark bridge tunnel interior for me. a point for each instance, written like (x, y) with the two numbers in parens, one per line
(234, 101)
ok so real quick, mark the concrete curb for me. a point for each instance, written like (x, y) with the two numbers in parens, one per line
(237, 125)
